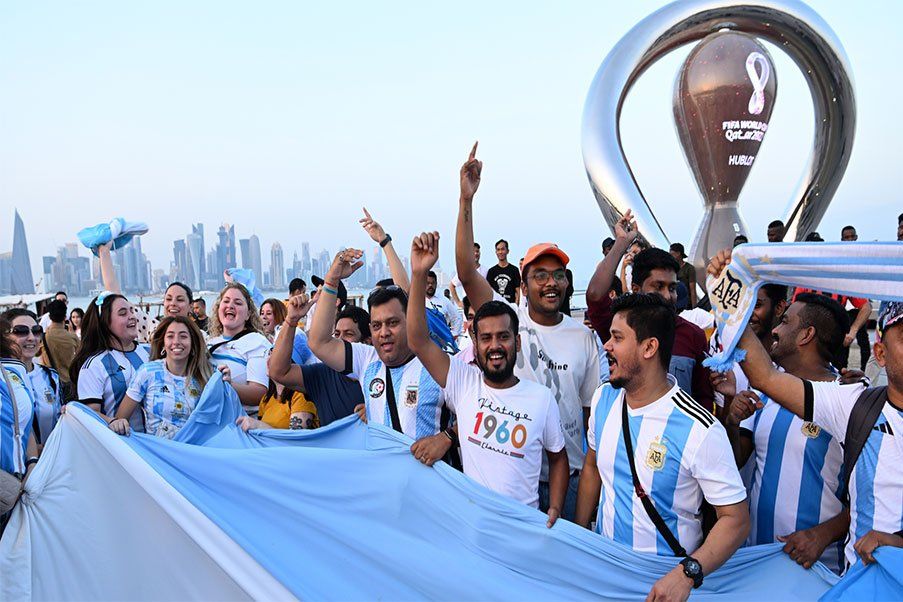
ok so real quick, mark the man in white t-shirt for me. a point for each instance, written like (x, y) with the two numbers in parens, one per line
(443, 305)
(655, 454)
(876, 478)
(556, 350)
(504, 422)
(398, 392)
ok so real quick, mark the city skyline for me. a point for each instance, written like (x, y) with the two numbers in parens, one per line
(73, 268)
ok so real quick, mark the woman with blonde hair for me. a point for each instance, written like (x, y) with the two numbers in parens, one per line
(167, 388)
(237, 341)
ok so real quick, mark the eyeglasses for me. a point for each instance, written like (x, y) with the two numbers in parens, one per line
(22, 331)
(541, 277)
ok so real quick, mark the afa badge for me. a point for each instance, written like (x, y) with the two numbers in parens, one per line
(811, 430)
(655, 455)
(410, 396)
(377, 386)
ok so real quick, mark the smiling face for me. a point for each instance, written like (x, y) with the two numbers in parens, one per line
(27, 340)
(347, 330)
(233, 312)
(267, 318)
(388, 330)
(501, 252)
(762, 319)
(175, 302)
(496, 347)
(123, 323)
(545, 285)
(177, 342)
(786, 334)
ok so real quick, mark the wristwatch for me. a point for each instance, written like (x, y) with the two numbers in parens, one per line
(452, 435)
(693, 570)
(385, 241)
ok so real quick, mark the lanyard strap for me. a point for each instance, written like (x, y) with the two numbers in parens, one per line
(656, 518)
(390, 401)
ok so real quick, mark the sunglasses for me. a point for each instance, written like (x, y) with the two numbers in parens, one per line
(22, 331)
(391, 287)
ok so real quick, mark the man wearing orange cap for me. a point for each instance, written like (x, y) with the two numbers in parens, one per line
(556, 350)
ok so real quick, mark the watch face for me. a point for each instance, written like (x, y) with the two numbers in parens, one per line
(693, 567)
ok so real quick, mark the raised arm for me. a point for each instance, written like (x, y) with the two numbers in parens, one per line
(424, 254)
(475, 286)
(280, 367)
(378, 235)
(783, 388)
(330, 350)
(107, 271)
(600, 283)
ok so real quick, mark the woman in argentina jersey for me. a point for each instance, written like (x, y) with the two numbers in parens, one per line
(237, 342)
(168, 387)
(14, 449)
(43, 382)
(109, 355)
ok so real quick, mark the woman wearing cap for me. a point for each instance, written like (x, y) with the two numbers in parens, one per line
(237, 341)
(43, 382)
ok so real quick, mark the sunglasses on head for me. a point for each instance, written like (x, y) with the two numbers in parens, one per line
(22, 331)
(391, 287)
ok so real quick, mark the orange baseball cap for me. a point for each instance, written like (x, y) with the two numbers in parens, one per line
(545, 248)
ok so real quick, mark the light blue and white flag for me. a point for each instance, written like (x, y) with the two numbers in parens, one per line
(118, 230)
(247, 279)
(873, 270)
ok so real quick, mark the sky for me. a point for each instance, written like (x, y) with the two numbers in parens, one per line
(285, 118)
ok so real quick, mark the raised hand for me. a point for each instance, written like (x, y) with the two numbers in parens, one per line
(744, 405)
(626, 227)
(344, 264)
(295, 309)
(376, 232)
(719, 261)
(424, 252)
(470, 174)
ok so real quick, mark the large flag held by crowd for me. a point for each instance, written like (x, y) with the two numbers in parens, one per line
(337, 513)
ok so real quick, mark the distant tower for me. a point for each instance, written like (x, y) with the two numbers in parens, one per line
(21, 281)
(277, 270)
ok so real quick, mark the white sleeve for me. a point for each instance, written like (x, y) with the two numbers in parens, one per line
(591, 430)
(257, 362)
(831, 406)
(715, 469)
(591, 371)
(552, 434)
(138, 387)
(91, 383)
(454, 317)
(461, 379)
(361, 357)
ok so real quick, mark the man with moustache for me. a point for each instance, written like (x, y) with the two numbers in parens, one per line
(556, 350)
(794, 494)
(655, 454)
(505, 422)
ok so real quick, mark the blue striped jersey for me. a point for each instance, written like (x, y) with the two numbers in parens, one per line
(45, 390)
(876, 484)
(682, 455)
(167, 400)
(106, 376)
(12, 448)
(417, 396)
(245, 356)
(796, 481)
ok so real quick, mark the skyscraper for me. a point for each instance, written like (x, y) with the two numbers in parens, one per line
(196, 257)
(20, 278)
(250, 256)
(225, 249)
(277, 269)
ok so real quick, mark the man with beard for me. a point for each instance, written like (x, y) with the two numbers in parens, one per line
(876, 476)
(556, 350)
(506, 422)
(655, 454)
(397, 390)
(794, 497)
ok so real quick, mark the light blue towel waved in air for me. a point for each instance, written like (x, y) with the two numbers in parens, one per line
(118, 230)
(246, 278)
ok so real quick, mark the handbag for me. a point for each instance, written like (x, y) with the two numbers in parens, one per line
(10, 484)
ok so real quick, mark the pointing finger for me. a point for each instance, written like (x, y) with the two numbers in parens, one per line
(473, 152)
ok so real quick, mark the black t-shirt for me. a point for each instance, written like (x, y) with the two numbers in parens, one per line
(334, 395)
(504, 280)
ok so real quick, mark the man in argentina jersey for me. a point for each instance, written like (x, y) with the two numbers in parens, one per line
(681, 454)
(795, 495)
(417, 397)
(876, 484)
